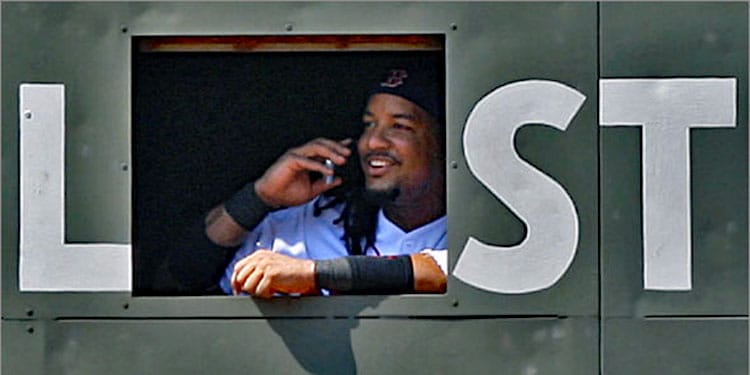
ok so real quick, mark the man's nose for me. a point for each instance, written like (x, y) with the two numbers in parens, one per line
(377, 139)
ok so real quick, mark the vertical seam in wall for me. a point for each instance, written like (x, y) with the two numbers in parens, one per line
(600, 319)
(747, 61)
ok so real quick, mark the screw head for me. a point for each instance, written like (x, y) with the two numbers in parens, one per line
(454, 164)
(454, 26)
(30, 329)
(289, 27)
(27, 114)
(29, 312)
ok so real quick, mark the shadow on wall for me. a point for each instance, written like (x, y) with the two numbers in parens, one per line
(322, 345)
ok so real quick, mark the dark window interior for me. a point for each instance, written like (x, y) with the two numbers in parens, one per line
(208, 118)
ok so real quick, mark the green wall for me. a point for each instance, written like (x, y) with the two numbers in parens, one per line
(596, 319)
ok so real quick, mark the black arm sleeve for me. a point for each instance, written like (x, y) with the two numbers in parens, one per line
(366, 275)
(246, 208)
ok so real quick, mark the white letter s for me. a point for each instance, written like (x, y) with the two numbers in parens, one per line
(541, 259)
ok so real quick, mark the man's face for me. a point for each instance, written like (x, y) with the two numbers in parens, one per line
(398, 148)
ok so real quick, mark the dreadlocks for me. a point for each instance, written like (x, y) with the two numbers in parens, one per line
(359, 217)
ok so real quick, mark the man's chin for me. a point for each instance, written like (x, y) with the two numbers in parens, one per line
(381, 195)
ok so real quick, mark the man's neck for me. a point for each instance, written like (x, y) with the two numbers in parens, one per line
(409, 214)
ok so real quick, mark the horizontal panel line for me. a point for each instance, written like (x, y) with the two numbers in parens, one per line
(696, 317)
(316, 317)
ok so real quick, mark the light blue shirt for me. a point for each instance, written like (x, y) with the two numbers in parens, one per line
(296, 232)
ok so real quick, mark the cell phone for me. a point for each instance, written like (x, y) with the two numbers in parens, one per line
(349, 172)
(329, 164)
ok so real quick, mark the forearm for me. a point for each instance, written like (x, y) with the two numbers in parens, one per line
(227, 223)
(265, 273)
(380, 275)
(222, 229)
(428, 276)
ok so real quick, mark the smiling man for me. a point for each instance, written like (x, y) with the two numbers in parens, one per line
(382, 233)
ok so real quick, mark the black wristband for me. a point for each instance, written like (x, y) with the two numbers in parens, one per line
(246, 208)
(365, 274)
(333, 274)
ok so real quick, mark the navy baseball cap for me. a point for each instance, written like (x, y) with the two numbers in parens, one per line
(422, 85)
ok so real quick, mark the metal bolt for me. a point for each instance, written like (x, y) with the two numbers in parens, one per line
(30, 329)
(454, 303)
(27, 114)
(454, 164)
(454, 26)
(29, 313)
(125, 306)
(289, 27)
(124, 29)
(124, 166)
